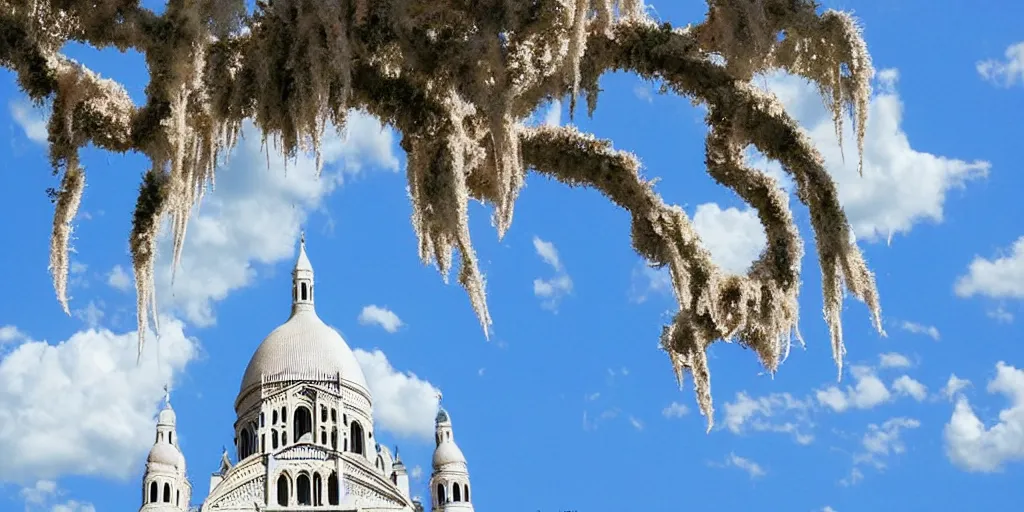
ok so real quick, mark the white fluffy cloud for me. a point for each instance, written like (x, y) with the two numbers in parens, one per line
(675, 410)
(551, 290)
(734, 237)
(403, 404)
(971, 445)
(915, 328)
(85, 406)
(119, 278)
(255, 213)
(383, 317)
(1007, 71)
(44, 495)
(867, 392)
(31, 119)
(954, 386)
(880, 441)
(906, 385)
(893, 360)
(901, 186)
(761, 415)
(998, 278)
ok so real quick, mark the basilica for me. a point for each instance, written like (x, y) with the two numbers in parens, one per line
(304, 437)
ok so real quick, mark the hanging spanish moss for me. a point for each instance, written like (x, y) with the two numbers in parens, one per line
(459, 80)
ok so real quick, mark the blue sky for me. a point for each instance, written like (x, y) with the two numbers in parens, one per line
(571, 395)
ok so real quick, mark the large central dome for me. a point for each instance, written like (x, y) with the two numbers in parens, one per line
(304, 347)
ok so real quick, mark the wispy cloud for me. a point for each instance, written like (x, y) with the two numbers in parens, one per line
(551, 290)
(380, 316)
(1005, 72)
(916, 328)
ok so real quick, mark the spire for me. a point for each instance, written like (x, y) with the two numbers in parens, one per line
(167, 396)
(302, 280)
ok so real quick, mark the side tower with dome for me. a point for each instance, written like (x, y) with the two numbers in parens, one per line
(304, 435)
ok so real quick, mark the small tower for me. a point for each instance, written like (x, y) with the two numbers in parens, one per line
(164, 485)
(400, 474)
(449, 482)
(302, 280)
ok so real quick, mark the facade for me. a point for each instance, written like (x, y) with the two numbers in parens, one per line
(304, 436)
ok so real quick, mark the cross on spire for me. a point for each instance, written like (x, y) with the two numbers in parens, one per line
(302, 237)
(167, 395)
(439, 396)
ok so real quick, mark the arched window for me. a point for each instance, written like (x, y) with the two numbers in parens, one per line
(159, 436)
(323, 437)
(394, 478)
(152, 492)
(323, 413)
(318, 490)
(334, 415)
(243, 445)
(334, 439)
(303, 285)
(177, 498)
(303, 490)
(282, 490)
(284, 437)
(284, 414)
(438, 439)
(263, 442)
(379, 463)
(302, 422)
(273, 418)
(167, 493)
(333, 497)
(170, 437)
(356, 433)
(440, 494)
(273, 439)
(456, 493)
(465, 491)
(262, 418)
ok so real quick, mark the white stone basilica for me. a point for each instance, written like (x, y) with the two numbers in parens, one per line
(304, 436)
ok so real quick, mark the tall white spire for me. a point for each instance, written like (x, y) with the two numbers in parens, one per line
(449, 482)
(164, 486)
(302, 280)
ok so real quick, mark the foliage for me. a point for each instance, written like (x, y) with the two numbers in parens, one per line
(457, 79)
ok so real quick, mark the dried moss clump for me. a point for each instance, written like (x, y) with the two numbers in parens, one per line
(458, 80)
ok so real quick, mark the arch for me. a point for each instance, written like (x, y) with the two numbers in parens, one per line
(356, 433)
(303, 490)
(273, 439)
(244, 444)
(333, 496)
(323, 437)
(323, 413)
(394, 478)
(303, 293)
(284, 414)
(334, 439)
(170, 437)
(273, 417)
(334, 415)
(440, 494)
(167, 493)
(282, 490)
(302, 422)
(318, 490)
(465, 492)
(152, 492)
(456, 492)
(379, 463)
